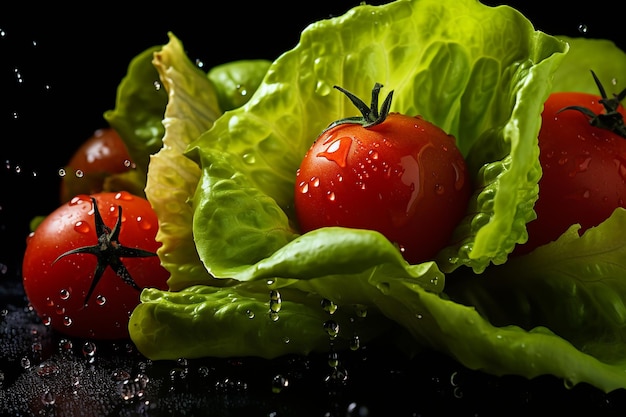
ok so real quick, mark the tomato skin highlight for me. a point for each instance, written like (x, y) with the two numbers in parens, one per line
(584, 170)
(404, 177)
(57, 290)
(102, 154)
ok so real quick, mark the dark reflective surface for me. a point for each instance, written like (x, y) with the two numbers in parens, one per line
(58, 74)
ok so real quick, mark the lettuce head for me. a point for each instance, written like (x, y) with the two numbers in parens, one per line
(245, 282)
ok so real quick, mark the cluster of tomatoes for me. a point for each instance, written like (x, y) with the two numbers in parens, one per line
(400, 175)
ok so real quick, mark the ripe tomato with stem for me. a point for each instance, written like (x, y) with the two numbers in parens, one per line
(85, 264)
(385, 171)
(582, 143)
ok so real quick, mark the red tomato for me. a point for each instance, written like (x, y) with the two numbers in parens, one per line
(399, 175)
(73, 266)
(102, 154)
(584, 169)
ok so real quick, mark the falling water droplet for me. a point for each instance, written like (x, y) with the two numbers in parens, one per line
(332, 328)
(275, 301)
(329, 306)
(279, 383)
(89, 349)
(355, 342)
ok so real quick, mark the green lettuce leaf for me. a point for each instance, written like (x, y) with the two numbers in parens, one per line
(222, 322)
(172, 178)
(138, 115)
(586, 54)
(237, 80)
(435, 58)
(574, 286)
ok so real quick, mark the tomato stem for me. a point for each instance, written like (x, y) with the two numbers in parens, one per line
(370, 115)
(109, 251)
(611, 119)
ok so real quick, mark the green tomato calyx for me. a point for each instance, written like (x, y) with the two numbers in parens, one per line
(370, 115)
(611, 119)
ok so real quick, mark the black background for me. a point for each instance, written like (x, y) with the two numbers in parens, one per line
(60, 67)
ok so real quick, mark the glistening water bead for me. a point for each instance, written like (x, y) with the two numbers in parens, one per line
(275, 304)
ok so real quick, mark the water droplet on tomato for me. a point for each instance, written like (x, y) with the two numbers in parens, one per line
(620, 164)
(64, 294)
(459, 177)
(586, 194)
(62, 172)
(582, 164)
(143, 223)
(46, 320)
(67, 321)
(337, 150)
(82, 227)
(124, 195)
(439, 189)
(79, 173)
(304, 187)
(80, 199)
(373, 154)
(101, 300)
(315, 182)
(59, 310)
(411, 177)
(339, 177)
(331, 196)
